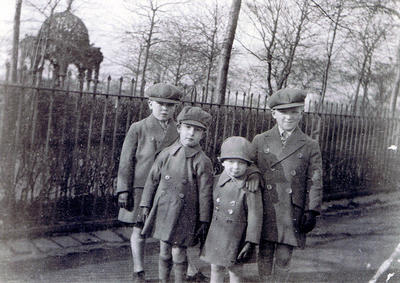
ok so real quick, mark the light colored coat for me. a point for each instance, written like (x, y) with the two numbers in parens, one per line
(237, 218)
(144, 140)
(179, 192)
(293, 183)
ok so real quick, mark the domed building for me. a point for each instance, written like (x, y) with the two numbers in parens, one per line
(63, 39)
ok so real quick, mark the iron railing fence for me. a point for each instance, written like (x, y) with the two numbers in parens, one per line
(66, 143)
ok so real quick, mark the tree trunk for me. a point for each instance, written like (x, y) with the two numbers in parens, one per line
(330, 51)
(138, 69)
(146, 57)
(396, 87)
(226, 50)
(9, 119)
(14, 61)
(211, 57)
(360, 79)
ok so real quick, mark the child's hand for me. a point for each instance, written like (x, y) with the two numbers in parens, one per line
(123, 199)
(252, 183)
(246, 252)
(145, 213)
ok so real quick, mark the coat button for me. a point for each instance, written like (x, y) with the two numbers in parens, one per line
(167, 177)
(269, 187)
(216, 208)
(300, 155)
(266, 150)
(230, 211)
(184, 181)
(152, 138)
(233, 203)
(181, 195)
(289, 190)
(293, 173)
(273, 169)
(218, 200)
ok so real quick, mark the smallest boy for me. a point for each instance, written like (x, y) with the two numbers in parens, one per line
(178, 190)
(237, 217)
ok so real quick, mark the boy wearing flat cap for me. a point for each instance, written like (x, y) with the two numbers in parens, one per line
(237, 215)
(177, 196)
(144, 140)
(291, 165)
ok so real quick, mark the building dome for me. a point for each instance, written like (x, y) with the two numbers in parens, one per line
(65, 32)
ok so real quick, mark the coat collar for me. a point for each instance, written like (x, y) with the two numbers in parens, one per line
(295, 141)
(189, 151)
(225, 178)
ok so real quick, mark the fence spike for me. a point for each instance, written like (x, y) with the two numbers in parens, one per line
(132, 86)
(236, 98)
(229, 96)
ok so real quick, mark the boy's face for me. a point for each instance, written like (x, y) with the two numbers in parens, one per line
(289, 118)
(190, 135)
(235, 167)
(163, 111)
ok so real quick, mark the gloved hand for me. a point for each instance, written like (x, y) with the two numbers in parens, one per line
(201, 233)
(308, 221)
(253, 182)
(246, 252)
(123, 199)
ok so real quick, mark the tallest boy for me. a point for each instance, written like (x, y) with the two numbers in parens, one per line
(291, 165)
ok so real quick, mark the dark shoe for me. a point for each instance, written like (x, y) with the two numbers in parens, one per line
(198, 277)
(138, 277)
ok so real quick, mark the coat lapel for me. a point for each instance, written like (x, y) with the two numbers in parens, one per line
(170, 136)
(296, 140)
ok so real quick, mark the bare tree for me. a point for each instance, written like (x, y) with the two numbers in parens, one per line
(373, 30)
(280, 26)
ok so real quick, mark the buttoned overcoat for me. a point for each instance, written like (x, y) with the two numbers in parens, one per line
(237, 218)
(292, 175)
(179, 192)
(143, 141)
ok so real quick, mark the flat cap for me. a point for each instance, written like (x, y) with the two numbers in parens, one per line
(196, 116)
(287, 98)
(164, 93)
(237, 147)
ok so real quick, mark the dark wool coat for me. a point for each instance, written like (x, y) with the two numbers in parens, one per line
(143, 141)
(293, 183)
(237, 218)
(179, 191)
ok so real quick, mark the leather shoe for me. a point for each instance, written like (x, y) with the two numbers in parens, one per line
(198, 277)
(138, 277)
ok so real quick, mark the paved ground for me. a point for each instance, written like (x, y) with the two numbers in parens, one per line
(351, 241)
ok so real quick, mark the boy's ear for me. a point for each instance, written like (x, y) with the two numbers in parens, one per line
(204, 134)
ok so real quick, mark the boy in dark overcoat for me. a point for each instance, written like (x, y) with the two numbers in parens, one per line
(177, 197)
(237, 215)
(291, 165)
(143, 141)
